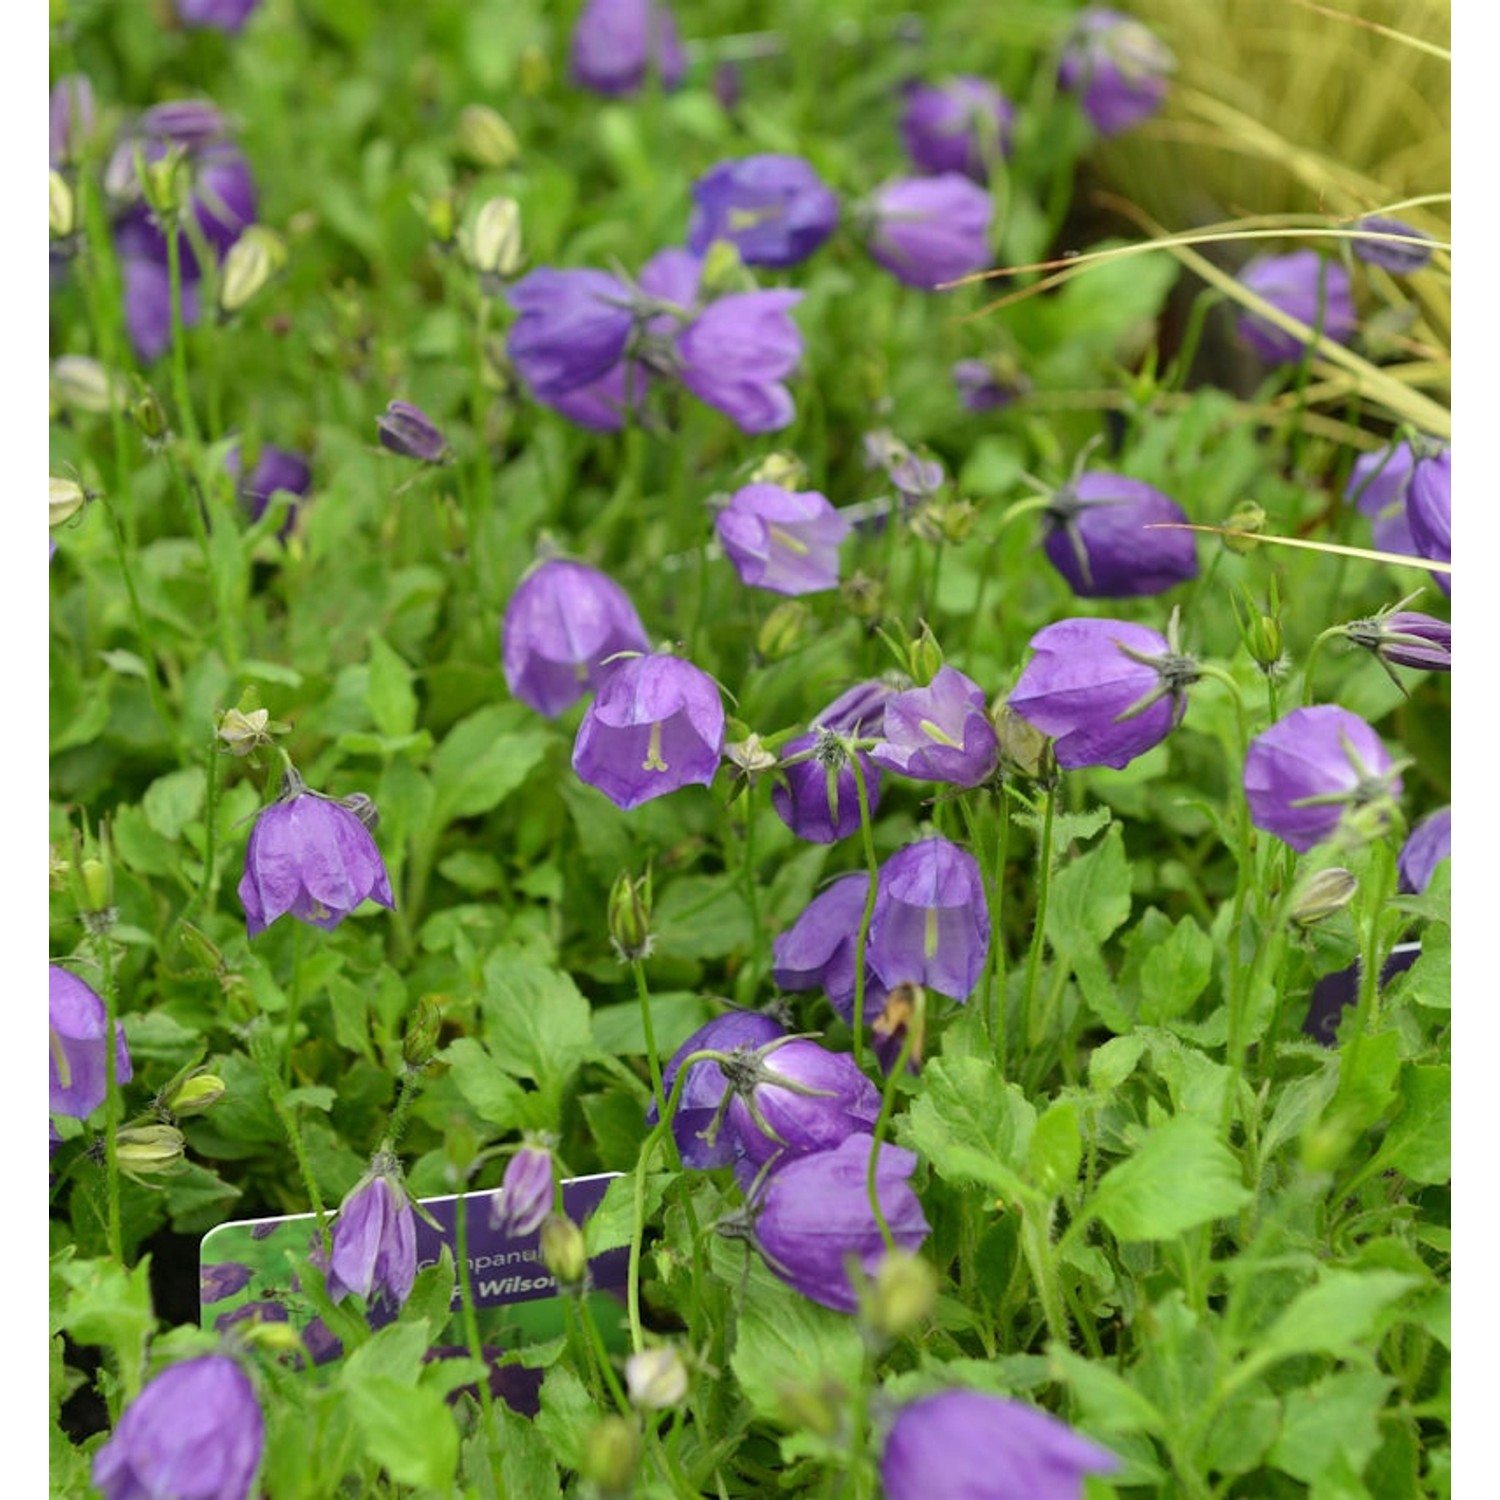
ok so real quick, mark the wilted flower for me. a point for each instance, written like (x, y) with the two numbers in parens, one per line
(375, 1237)
(275, 469)
(1309, 767)
(311, 856)
(1304, 286)
(931, 924)
(1097, 538)
(988, 384)
(75, 1033)
(657, 724)
(813, 1214)
(562, 625)
(525, 1195)
(573, 328)
(795, 1097)
(782, 540)
(1428, 844)
(1390, 255)
(703, 1091)
(406, 429)
(928, 230)
(775, 210)
(985, 1448)
(1429, 511)
(961, 125)
(818, 949)
(735, 354)
(221, 15)
(941, 732)
(195, 1432)
(615, 42)
(1118, 68)
(817, 796)
(1105, 690)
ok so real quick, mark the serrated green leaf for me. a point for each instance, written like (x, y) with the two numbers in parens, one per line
(483, 759)
(1334, 1317)
(1090, 897)
(568, 1412)
(611, 1224)
(1175, 972)
(407, 1428)
(1180, 1176)
(497, 1099)
(1419, 1143)
(1333, 1423)
(174, 800)
(1109, 1401)
(537, 1024)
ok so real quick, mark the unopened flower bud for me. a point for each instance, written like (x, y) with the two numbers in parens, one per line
(494, 245)
(563, 1251)
(924, 657)
(242, 732)
(1246, 516)
(65, 499)
(610, 1455)
(1023, 747)
(656, 1379)
(630, 917)
(251, 261)
(97, 883)
(274, 1336)
(150, 1150)
(195, 1094)
(782, 631)
(723, 271)
(483, 138)
(901, 1295)
(148, 415)
(441, 214)
(84, 384)
(163, 183)
(1323, 894)
(62, 218)
(422, 1032)
(409, 431)
(865, 596)
(1262, 637)
(784, 469)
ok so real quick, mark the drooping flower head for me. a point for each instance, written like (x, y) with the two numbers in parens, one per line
(657, 724)
(989, 384)
(1400, 257)
(616, 43)
(275, 469)
(1312, 768)
(736, 353)
(1378, 484)
(1098, 538)
(573, 328)
(775, 210)
(525, 1196)
(1405, 638)
(1429, 512)
(1428, 844)
(406, 429)
(219, 15)
(931, 924)
(818, 949)
(1117, 67)
(985, 1447)
(1105, 691)
(928, 230)
(783, 540)
(813, 1214)
(817, 793)
(76, 1032)
(375, 1237)
(1304, 286)
(941, 732)
(195, 1432)
(562, 625)
(311, 856)
(71, 117)
(960, 125)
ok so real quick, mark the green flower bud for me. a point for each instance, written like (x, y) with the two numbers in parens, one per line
(782, 631)
(163, 183)
(62, 217)
(656, 1379)
(724, 271)
(864, 596)
(85, 385)
(147, 414)
(441, 215)
(253, 259)
(630, 917)
(533, 71)
(493, 247)
(563, 1252)
(1323, 894)
(65, 499)
(421, 1038)
(196, 1094)
(1023, 747)
(901, 1295)
(483, 138)
(1246, 516)
(924, 657)
(98, 883)
(150, 1150)
(274, 1338)
(611, 1453)
(782, 468)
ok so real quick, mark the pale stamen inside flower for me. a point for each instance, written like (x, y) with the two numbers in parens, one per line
(748, 218)
(653, 760)
(936, 732)
(786, 541)
(930, 934)
(60, 1058)
(319, 911)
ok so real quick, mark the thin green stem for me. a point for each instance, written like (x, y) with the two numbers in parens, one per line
(991, 564)
(111, 1099)
(653, 1058)
(914, 1029)
(466, 1302)
(180, 392)
(867, 837)
(1039, 922)
(142, 629)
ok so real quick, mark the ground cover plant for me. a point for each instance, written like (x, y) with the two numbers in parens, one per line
(749, 750)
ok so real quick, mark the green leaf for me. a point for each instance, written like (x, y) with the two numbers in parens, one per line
(537, 1024)
(173, 801)
(568, 1413)
(1335, 1423)
(611, 1224)
(1113, 1062)
(1419, 1143)
(1335, 1317)
(674, 1017)
(526, 1466)
(390, 697)
(972, 1126)
(407, 1428)
(1429, 981)
(1180, 1176)
(1175, 972)
(496, 1099)
(105, 1304)
(1056, 1148)
(396, 1351)
(701, 916)
(1110, 1402)
(483, 759)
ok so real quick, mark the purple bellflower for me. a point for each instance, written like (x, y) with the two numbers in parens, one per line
(701, 1102)
(1105, 691)
(813, 1214)
(931, 924)
(988, 384)
(406, 429)
(657, 724)
(616, 42)
(375, 1237)
(928, 230)
(985, 1447)
(220, 15)
(562, 625)
(1311, 767)
(276, 469)
(1428, 844)
(1405, 638)
(961, 125)
(1117, 67)
(775, 210)
(1304, 286)
(1429, 512)
(217, 1282)
(71, 117)
(818, 949)
(1097, 538)
(1400, 259)
(311, 856)
(783, 540)
(195, 1432)
(736, 353)
(941, 732)
(75, 1032)
(817, 796)
(525, 1195)
(573, 329)
(794, 1097)
(1378, 484)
